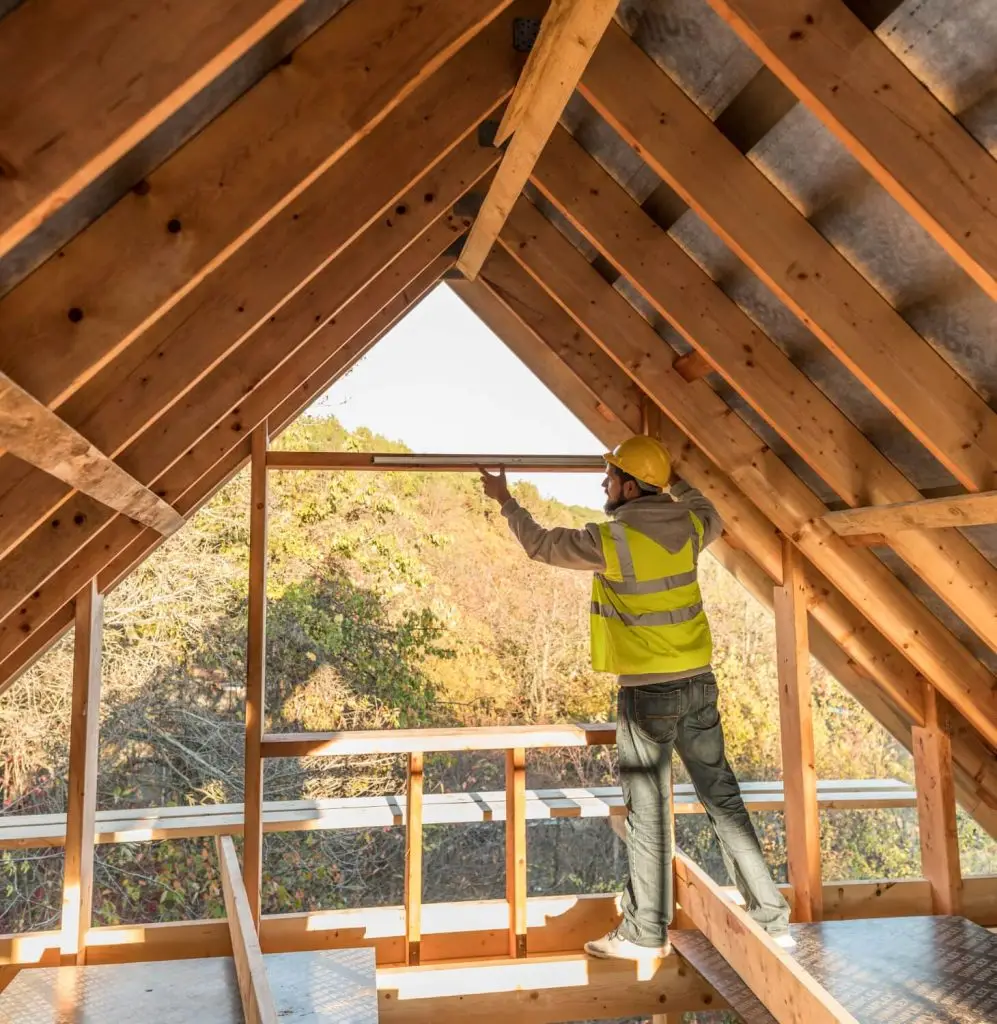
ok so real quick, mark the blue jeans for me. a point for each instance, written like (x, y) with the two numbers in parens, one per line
(652, 720)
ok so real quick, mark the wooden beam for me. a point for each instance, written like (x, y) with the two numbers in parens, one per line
(539, 990)
(411, 741)
(136, 63)
(327, 354)
(221, 397)
(569, 34)
(515, 849)
(254, 988)
(928, 514)
(692, 366)
(799, 769)
(786, 989)
(37, 436)
(682, 145)
(84, 732)
(256, 671)
(131, 266)
(393, 463)
(900, 133)
(428, 153)
(757, 368)
(936, 809)
(413, 859)
(703, 416)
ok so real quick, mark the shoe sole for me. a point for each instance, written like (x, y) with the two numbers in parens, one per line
(651, 955)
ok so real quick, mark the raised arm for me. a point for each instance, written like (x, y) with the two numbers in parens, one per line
(697, 502)
(561, 547)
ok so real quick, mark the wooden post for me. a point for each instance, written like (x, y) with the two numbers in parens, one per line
(936, 806)
(515, 848)
(798, 761)
(256, 653)
(77, 886)
(413, 859)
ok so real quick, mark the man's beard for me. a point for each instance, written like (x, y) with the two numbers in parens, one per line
(611, 506)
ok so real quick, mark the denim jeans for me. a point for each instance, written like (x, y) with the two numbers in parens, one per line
(652, 720)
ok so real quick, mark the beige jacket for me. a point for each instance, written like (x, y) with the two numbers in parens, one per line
(662, 517)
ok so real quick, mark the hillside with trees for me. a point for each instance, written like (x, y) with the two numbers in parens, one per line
(395, 600)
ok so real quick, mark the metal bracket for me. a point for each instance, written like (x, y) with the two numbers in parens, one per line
(524, 33)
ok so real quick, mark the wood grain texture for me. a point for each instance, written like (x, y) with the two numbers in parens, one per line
(37, 436)
(789, 993)
(926, 514)
(515, 849)
(254, 988)
(413, 859)
(123, 70)
(84, 731)
(888, 120)
(569, 34)
(256, 670)
(831, 297)
(799, 768)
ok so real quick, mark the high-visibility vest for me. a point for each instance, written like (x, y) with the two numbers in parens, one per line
(647, 608)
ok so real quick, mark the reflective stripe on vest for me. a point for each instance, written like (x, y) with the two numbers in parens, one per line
(647, 611)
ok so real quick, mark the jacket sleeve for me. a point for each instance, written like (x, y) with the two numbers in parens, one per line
(564, 548)
(697, 502)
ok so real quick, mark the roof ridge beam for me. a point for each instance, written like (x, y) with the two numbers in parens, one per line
(806, 272)
(764, 376)
(604, 313)
(887, 119)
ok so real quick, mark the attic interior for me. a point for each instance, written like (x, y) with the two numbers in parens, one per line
(763, 231)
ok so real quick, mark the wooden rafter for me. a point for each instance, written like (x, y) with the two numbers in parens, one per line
(247, 296)
(927, 514)
(890, 122)
(682, 145)
(751, 362)
(224, 388)
(130, 267)
(137, 63)
(219, 455)
(37, 436)
(607, 316)
(569, 34)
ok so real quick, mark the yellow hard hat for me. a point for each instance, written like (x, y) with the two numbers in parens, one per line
(644, 458)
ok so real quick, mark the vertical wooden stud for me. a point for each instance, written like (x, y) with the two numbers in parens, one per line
(256, 653)
(936, 806)
(77, 887)
(413, 859)
(515, 848)
(796, 723)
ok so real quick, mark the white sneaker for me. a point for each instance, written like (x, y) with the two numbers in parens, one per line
(612, 947)
(784, 939)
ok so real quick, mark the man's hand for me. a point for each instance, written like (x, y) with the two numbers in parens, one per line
(495, 487)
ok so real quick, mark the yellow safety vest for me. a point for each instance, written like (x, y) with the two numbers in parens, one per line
(647, 609)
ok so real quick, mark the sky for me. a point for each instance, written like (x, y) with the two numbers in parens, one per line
(441, 382)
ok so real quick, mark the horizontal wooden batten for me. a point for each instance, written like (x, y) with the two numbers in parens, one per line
(930, 514)
(556, 924)
(159, 823)
(425, 741)
(390, 463)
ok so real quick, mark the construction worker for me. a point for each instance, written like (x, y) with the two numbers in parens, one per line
(649, 628)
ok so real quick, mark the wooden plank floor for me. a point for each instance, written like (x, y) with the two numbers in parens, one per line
(332, 986)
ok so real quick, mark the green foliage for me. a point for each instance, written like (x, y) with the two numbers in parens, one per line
(393, 600)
